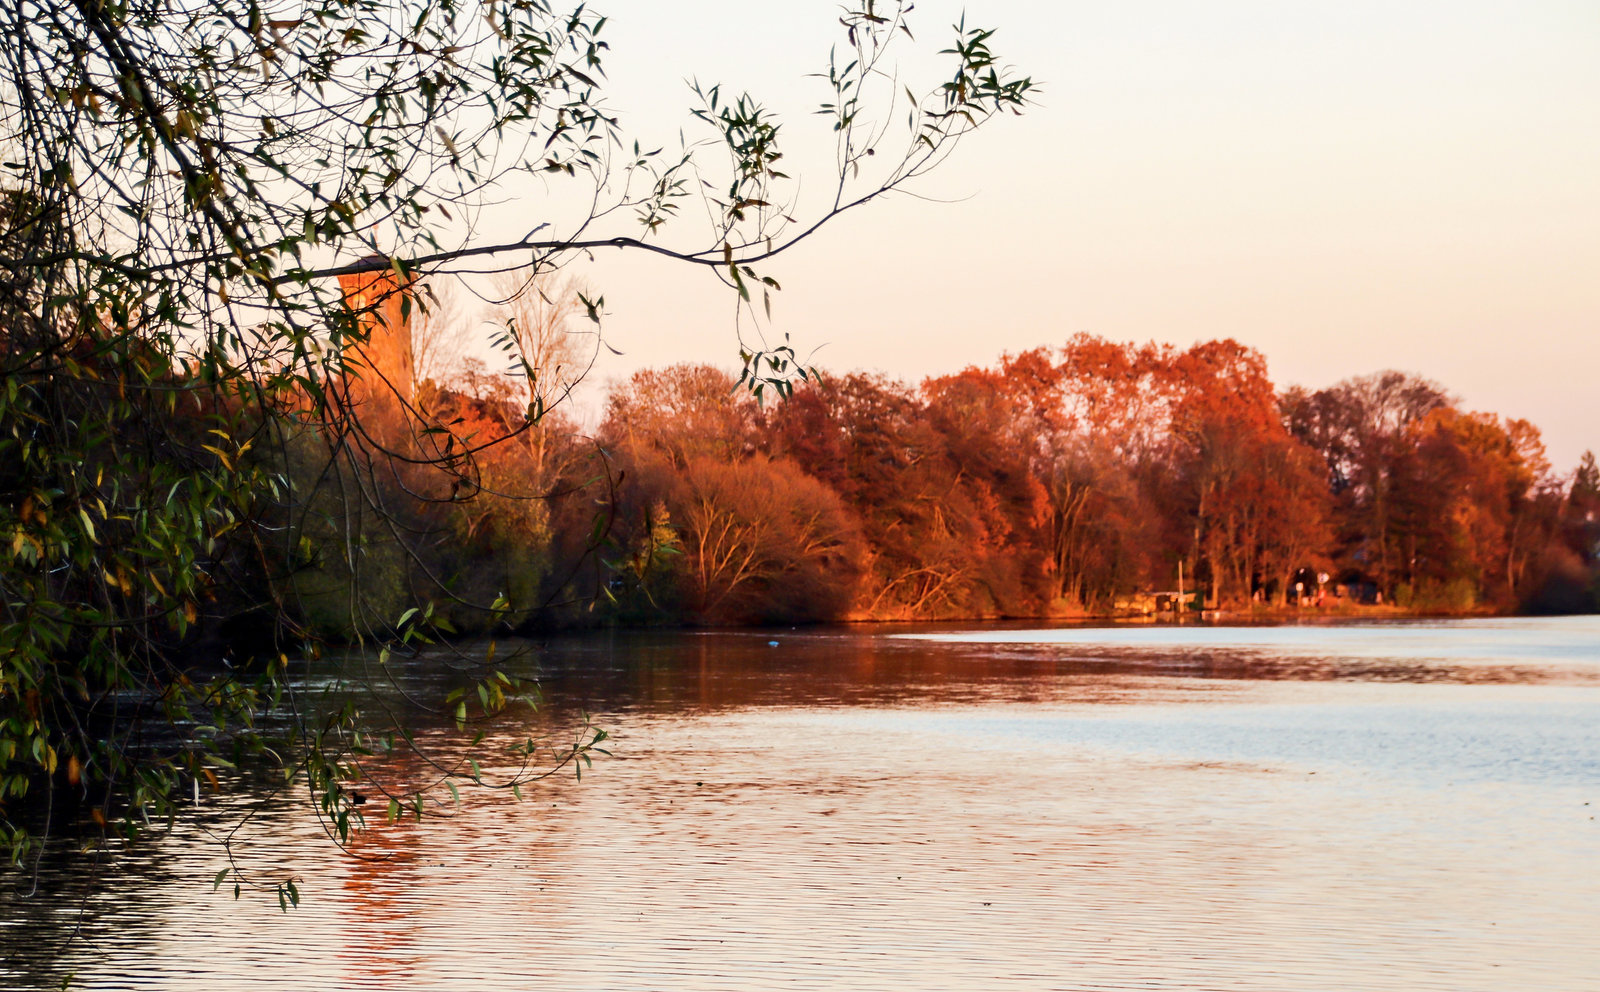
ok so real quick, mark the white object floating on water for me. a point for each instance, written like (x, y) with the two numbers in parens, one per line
(772, 644)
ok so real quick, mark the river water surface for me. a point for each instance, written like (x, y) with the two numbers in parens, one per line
(1404, 805)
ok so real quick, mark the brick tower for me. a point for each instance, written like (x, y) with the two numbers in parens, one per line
(377, 297)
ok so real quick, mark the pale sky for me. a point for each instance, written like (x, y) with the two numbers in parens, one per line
(1347, 187)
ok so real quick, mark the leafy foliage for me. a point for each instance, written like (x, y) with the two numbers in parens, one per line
(205, 463)
(1069, 480)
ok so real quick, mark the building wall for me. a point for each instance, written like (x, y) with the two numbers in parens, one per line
(387, 379)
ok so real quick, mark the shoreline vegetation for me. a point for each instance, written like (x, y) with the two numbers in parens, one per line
(1092, 481)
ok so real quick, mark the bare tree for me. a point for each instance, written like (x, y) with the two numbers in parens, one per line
(441, 335)
(537, 316)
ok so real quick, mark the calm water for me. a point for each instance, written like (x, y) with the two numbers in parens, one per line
(1387, 806)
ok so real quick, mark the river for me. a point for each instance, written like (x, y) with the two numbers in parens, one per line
(1401, 805)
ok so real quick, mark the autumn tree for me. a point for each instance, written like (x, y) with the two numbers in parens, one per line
(988, 430)
(1466, 508)
(1103, 424)
(938, 535)
(1295, 511)
(1582, 510)
(1567, 578)
(1361, 428)
(681, 411)
(763, 541)
(758, 539)
(656, 423)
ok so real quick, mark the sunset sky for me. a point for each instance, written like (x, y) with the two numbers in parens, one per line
(1345, 186)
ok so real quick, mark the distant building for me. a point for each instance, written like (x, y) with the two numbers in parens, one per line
(386, 380)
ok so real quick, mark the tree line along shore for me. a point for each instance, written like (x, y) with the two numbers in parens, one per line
(1090, 479)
